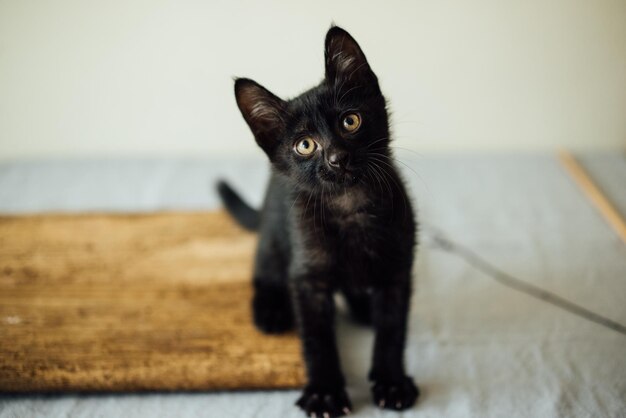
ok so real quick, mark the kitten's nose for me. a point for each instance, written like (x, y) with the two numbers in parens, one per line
(338, 159)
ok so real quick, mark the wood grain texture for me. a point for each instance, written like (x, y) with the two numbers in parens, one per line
(594, 194)
(101, 302)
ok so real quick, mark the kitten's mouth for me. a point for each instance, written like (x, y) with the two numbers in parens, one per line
(343, 178)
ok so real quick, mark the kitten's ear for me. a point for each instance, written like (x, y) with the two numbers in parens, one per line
(345, 60)
(263, 111)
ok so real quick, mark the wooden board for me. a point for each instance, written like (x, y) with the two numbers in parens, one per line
(103, 302)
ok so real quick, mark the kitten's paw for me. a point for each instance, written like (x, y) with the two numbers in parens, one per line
(396, 395)
(272, 310)
(324, 403)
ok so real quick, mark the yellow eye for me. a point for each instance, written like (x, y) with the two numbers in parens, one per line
(351, 122)
(306, 146)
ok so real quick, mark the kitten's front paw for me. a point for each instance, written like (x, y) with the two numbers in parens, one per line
(324, 403)
(395, 395)
(272, 310)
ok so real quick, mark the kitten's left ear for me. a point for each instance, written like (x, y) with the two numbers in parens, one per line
(345, 60)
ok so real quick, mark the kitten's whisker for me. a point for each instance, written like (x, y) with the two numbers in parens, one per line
(294, 202)
(389, 188)
(323, 212)
(378, 171)
(407, 149)
(376, 176)
(370, 176)
(376, 141)
(386, 162)
(390, 176)
(397, 181)
(306, 207)
(416, 174)
(315, 213)
(395, 159)
(407, 166)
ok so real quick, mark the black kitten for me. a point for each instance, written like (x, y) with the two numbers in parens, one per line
(336, 217)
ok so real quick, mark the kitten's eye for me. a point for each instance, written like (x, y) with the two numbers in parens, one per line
(306, 146)
(351, 122)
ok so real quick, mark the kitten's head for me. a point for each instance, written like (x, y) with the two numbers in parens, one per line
(331, 134)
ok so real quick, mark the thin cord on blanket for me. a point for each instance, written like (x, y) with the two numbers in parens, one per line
(506, 279)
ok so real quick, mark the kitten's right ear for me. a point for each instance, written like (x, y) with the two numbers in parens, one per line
(263, 111)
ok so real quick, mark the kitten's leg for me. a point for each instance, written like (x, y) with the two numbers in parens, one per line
(360, 304)
(392, 388)
(271, 307)
(324, 394)
(271, 304)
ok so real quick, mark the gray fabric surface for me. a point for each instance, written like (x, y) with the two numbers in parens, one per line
(476, 346)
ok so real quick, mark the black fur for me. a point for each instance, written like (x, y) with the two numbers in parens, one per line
(338, 219)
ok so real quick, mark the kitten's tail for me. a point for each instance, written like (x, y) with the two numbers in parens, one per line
(244, 214)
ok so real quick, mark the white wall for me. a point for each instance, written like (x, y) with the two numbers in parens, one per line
(111, 78)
